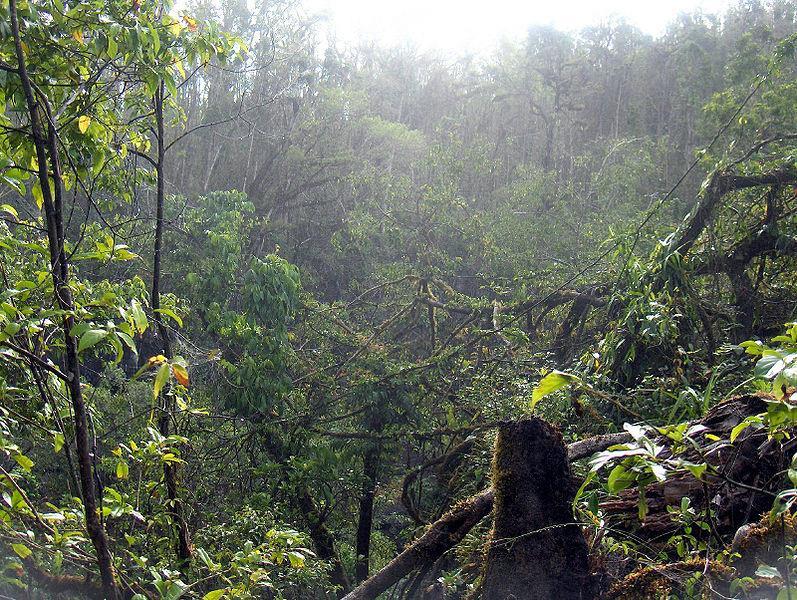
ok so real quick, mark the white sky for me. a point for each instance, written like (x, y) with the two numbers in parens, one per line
(462, 26)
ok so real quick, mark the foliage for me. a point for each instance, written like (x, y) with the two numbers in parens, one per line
(365, 261)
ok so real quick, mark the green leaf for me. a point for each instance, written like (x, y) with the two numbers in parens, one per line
(205, 558)
(619, 479)
(21, 550)
(91, 338)
(769, 365)
(736, 431)
(161, 379)
(37, 193)
(696, 470)
(753, 348)
(296, 559)
(214, 595)
(787, 594)
(139, 316)
(23, 461)
(552, 382)
(170, 313)
(117, 345)
(113, 47)
(642, 508)
(587, 480)
(10, 210)
(122, 470)
(175, 590)
(13, 182)
(122, 253)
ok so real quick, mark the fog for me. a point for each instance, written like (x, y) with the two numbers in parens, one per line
(471, 26)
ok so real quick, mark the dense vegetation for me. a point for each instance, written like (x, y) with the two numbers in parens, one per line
(265, 302)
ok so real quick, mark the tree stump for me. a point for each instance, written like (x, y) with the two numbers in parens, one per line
(536, 550)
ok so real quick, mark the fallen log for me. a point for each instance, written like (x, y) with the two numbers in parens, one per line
(740, 484)
(442, 535)
(755, 544)
(49, 585)
(452, 527)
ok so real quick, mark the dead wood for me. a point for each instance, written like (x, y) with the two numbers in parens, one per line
(740, 485)
(536, 549)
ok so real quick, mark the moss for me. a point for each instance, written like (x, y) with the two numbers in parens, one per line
(762, 543)
(535, 549)
(668, 580)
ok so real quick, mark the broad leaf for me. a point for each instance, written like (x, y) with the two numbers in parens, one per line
(180, 374)
(23, 461)
(91, 338)
(161, 379)
(552, 382)
(619, 479)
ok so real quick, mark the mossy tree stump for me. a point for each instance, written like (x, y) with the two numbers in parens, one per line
(536, 549)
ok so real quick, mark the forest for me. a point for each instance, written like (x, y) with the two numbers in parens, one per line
(285, 318)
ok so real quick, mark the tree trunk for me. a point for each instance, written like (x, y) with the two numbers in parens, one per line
(745, 300)
(563, 342)
(536, 549)
(452, 527)
(183, 542)
(323, 540)
(365, 521)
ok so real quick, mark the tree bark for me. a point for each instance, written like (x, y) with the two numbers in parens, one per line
(441, 536)
(536, 549)
(366, 513)
(739, 485)
(563, 342)
(723, 183)
(751, 462)
(745, 300)
(323, 540)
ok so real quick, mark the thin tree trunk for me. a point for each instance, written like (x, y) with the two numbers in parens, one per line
(183, 542)
(745, 299)
(365, 521)
(323, 539)
(441, 536)
(53, 208)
